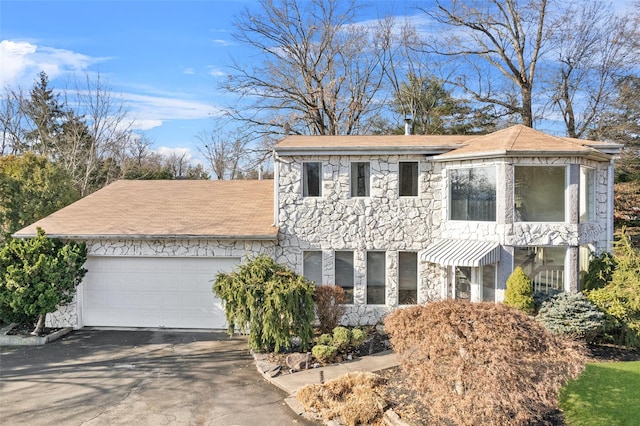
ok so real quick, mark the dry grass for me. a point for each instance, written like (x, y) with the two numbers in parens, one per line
(355, 398)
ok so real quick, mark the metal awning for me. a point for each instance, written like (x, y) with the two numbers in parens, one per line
(461, 253)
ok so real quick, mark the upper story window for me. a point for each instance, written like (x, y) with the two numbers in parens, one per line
(408, 178)
(360, 176)
(539, 193)
(473, 194)
(587, 194)
(312, 179)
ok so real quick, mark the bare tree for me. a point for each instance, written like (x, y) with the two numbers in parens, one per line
(226, 152)
(12, 119)
(320, 71)
(594, 48)
(484, 36)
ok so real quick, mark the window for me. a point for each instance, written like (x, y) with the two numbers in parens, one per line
(408, 177)
(539, 193)
(489, 283)
(344, 273)
(587, 194)
(473, 194)
(312, 266)
(376, 278)
(544, 265)
(585, 255)
(408, 278)
(311, 179)
(359, 179)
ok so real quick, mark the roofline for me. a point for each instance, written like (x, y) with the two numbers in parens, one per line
(591, 154)
(154, 237)
(289, 152)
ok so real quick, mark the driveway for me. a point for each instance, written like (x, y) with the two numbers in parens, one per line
(106, 377)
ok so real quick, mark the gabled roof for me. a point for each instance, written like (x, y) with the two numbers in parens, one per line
(521, 140)
(240, 209)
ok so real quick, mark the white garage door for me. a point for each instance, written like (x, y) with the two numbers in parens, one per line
(153, 292)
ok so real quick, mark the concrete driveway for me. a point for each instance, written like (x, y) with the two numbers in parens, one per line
(105, 377)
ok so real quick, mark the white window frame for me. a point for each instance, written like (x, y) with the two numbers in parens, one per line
(305, 179)
(304, 263)
(450, 198)
(353, 186)
(353, 272)
(417, 163)
(567, 207)
(417, 270)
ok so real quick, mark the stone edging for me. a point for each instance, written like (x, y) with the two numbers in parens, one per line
(12, 340)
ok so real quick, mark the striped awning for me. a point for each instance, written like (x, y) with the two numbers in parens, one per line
(461, 253)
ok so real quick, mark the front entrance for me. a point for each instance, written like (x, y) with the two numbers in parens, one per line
(473, 284)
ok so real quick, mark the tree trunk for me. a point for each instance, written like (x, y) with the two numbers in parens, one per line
(527, 109)
(39, 326)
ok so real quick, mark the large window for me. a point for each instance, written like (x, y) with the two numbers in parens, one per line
(544, 265)
(408, 278)
(360, 179)
(376, 278)
(408, 179)
(587, 194)
(539, 193)
(489, 283)
(344, 273)
(473, 194)
(311, 179)
(312, 267)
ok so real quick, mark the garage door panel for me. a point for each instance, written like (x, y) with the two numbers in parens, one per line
(153, 292)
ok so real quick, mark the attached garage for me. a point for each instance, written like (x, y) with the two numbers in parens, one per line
(155, 247)
(153, 292)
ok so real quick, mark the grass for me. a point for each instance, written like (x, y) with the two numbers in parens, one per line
(605, 394)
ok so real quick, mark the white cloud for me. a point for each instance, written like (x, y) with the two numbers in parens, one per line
(216, 72)
(150, 107)
(166, 151)
(189, 71)
(221, 42)
(22, 60)
(145, 124)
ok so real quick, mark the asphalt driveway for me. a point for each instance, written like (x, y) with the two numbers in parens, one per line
(105, 377)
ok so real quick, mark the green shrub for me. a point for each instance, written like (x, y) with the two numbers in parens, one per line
(519, 292)
(341, 338)
(358, 337)
(325, 339)
(620, 298)
(540, 297)
(573, 316)
(600, 271)
(330, 307)
(270, 301)
(324, 353)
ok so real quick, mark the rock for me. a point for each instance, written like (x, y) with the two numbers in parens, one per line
(297, 361)
(380, 329)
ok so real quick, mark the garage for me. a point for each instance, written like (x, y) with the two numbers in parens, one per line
(172, 292)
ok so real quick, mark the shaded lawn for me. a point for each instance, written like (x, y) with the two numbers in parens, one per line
(605, 394)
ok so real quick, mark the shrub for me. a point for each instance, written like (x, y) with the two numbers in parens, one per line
(329, 301)
(324, 353)
(325, 339)
(482, 363)
(358, 337)
(620, 299)
(540, 297)
(341, 338)
(37, 276)
(573, 316)
(356, 398)
(519, 292)
(600, 271)
(269, 300)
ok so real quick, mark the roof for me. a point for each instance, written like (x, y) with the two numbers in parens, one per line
(461, 253)
(239, 209)
(521, 140)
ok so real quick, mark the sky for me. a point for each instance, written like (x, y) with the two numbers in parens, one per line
(164, 58)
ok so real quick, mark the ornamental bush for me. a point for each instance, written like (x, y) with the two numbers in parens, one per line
(324, 353)
(37, 276)
(482, 363)
(573, 316)
(269, 301)
(599, 272)
(330, 307)
(519, 292)
(358, 337)
(325, 339)
(341, 338)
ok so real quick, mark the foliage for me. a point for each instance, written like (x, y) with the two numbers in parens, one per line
(341, 338)
(358, 337)
(325, 339)
(329, 300)
(571, 315)
(32, 188)
(324, 353)
(519, 292)
(270, 301)
(481, 363)
(600, 270)
(620, 298)
(38, 275)
(356, 398)
(605, 394)
(540, 297)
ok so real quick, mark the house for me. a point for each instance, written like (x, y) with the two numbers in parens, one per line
(394, 220)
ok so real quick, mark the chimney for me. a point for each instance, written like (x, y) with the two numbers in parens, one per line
(407, 124)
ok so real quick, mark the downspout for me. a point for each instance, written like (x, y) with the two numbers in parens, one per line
(276, 187)
(610, 207)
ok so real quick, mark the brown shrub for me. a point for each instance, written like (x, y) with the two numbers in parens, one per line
(329, 301)
(356, 398)
(482, 363)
